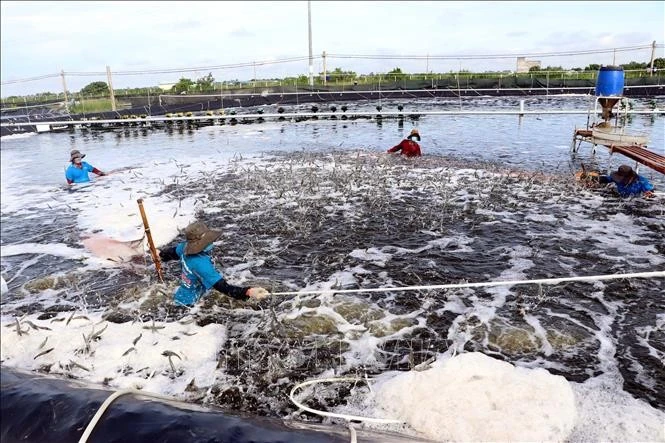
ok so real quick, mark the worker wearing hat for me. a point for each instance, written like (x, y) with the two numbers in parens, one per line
(77, 171)
(199, 274)
(628, 182)
(409, 146)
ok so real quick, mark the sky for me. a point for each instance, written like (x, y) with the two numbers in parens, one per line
(45, 38)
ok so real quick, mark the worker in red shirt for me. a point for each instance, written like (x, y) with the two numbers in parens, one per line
(409, 146)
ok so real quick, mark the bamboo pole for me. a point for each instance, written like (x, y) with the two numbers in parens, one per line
(151, 244)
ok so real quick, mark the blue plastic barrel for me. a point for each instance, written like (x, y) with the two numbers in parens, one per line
(610, 81)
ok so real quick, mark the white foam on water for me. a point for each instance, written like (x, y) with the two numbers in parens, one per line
(644, 337)
(472, 397)
(112, 358)
(5, 138)
(620, 231)
(546, 218)
(373, 255)
(607, 413)
(55, 249)
(107, 207)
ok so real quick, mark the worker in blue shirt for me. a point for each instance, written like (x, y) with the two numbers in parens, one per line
(198, 273)
(77, 171)
(628, 182)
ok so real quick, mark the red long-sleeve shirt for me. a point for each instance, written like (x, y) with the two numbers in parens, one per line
(408, 148)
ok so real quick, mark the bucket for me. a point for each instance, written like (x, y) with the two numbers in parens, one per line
(610, 81)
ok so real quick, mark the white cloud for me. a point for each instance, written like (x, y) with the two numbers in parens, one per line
(44, 37)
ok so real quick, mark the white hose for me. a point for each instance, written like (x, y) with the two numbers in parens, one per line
(117, 394)
(332, 414)
(551, 281)
(107, 403)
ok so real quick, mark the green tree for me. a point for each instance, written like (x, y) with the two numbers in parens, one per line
(96, 89)
(395, 71)
(659, 63)
(592, 67)
(633, 65)
(183, 85)
(206, 83)
(340, 74)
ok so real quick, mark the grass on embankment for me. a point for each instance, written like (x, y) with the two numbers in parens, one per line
(94, 105)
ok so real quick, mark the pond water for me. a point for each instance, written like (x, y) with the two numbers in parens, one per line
(318, 205)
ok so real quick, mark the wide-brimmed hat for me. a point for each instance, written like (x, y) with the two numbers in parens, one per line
(198, 236)
(624, 175)
(74, 154)
(414, 133)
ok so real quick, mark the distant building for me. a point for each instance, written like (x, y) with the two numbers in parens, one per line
(166, 86)
(524, 65)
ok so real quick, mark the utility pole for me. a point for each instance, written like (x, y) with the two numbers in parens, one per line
(614, 57)
(64, 88)
(108, 77)
(311, 59)
(324, 68)
(653, 54)
(254, 64)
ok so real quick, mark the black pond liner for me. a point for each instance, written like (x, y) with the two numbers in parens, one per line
(41, 409)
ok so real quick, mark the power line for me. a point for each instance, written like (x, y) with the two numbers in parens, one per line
(491, 56)
(339, 56)
(196, 68)
(29, 79)
(163, 71)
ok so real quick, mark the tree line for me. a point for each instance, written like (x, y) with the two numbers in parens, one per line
(208, 83)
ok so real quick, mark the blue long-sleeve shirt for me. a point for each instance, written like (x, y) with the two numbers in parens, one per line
(198, 276)
(638, 186)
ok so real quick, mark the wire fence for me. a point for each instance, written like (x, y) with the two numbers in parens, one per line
(338, 79)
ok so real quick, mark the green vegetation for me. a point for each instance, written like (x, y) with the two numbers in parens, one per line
(96, 89)
(183, 85)
(337, 78)
(91, 105)
(206, 83)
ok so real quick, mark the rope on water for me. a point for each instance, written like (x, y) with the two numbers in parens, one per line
(113, 397)
(100, 412)
(654, 274)
(547, 281)
(332, 414)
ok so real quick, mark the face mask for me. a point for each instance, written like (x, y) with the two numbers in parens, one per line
(415, 138)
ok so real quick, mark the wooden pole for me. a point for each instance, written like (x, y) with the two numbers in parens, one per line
(64, 89)
(151, 244)
(108, 77)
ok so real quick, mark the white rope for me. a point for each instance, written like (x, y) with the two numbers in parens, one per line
(412, 288)
(111, 398)
(332, 414)
(107, 403)
(352, 432)
(549, 281)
